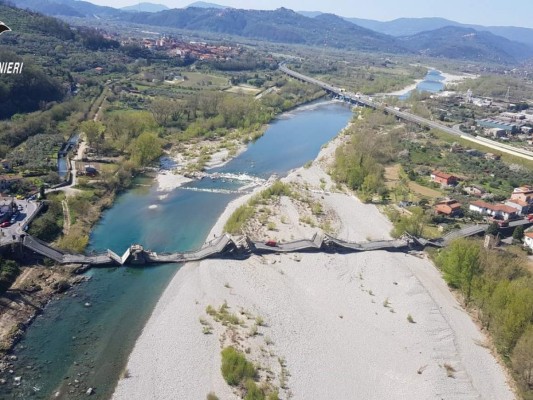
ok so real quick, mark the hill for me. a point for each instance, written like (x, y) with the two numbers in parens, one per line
(145, 7)
(281, 25)
(52, 53)
(412, 26)
(69, 8)
(467, 44)
(419, 35)
(203, 4)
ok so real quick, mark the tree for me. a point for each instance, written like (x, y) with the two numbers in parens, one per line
(163, 110)
(413, 224)
(146, 148)
(9, 270)
(510, 308)
(518, 233)
(94, 133)
(522, 357)
(460, 263)
(493, 229)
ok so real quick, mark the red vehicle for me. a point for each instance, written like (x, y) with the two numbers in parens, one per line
(271, 243)
(530, 217)
(5, 224)
(501, 223)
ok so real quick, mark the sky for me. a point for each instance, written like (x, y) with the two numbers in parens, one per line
(483, 12)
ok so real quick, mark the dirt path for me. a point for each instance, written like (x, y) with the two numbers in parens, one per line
(66, 217)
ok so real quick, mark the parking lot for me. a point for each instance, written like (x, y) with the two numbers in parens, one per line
(15, 225)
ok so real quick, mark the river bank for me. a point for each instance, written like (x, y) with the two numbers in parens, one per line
(447, 79)
(72, 347)
(322, 316)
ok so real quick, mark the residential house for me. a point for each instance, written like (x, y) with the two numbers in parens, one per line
(443, 178)
(524, 193)
(522, 207)
(448, 207)
(528, 240)
(498, 211)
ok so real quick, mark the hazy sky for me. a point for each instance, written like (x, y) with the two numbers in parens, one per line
(484, 12)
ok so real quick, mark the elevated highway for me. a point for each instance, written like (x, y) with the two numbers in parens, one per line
(367, 101)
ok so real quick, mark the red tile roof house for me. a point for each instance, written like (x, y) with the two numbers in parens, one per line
(524, 193)
(448, 207)
(495, 210)
(521, 199)
(522, 207)
(444, 178)
(528, 240)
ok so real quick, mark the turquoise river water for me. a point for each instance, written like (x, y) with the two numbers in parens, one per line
(83, 339)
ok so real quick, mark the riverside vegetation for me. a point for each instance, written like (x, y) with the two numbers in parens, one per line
(495, 284)
(128, 114)
(500, 289)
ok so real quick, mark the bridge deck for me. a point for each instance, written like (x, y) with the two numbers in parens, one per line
(224, 245)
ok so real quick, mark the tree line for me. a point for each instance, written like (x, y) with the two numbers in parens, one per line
(499, 286)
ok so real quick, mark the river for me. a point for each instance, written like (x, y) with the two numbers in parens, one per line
(433, 82)
(83, 339)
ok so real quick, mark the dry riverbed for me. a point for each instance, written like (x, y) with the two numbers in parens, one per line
(371, 325)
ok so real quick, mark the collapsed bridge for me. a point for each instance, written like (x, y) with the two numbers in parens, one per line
(226, 246)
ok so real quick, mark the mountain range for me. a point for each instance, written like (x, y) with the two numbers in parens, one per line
(412, 26)
(145, 7)
(435, 37)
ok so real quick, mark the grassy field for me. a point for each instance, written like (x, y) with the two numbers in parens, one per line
(246, 89)
(424, 191)
(201, 80)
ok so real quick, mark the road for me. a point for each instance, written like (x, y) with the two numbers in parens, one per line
(368, 101)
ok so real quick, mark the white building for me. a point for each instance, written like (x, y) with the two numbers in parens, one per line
(528, 240)
(499, 211)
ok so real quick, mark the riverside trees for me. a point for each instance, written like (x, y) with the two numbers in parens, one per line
(502, 289)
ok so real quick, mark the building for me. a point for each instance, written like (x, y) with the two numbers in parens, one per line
(90, 170)
(524, 193)
(492, 123)
(495, 132)
(474, 191)
(497, 211)
(7, 211)
(528, 240)
(7, 180)
(449, 207)
(443, 178)
(522, 207)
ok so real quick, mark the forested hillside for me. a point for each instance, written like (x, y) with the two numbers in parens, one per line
(51, 52)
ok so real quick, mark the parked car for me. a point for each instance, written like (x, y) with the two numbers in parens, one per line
(5, 224)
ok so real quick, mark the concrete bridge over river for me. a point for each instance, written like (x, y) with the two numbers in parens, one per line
(226, 246)
(368, 101)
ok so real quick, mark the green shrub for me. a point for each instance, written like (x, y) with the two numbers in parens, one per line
(9, 270)
(253, 392)
(237, 220)
(235, 367)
